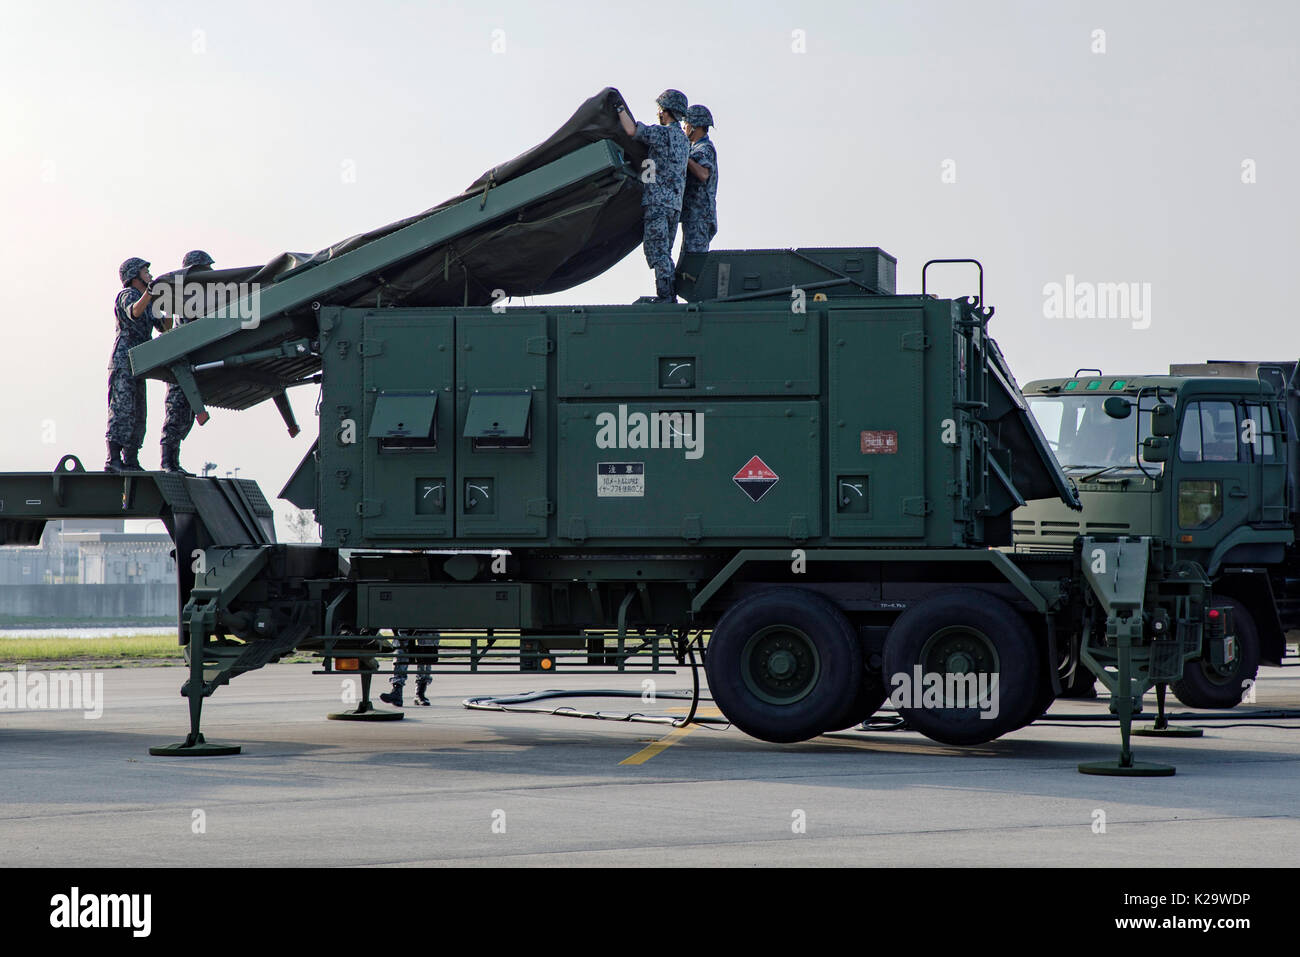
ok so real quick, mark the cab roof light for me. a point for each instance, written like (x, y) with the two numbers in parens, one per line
(1071, 385)
(1117, 385)
(1094, 385)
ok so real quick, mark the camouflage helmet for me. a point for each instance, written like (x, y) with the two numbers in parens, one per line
(196, 257)
(674, 101)
(129, 270)
(699, 115)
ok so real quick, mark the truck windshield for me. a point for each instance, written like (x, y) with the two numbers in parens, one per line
(1083, 436)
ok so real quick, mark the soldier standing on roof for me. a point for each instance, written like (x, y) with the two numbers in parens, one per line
(180, 417)
(137, 316)
(663, 180)
(700, 200)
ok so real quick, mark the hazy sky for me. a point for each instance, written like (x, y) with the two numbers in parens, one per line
(994, 130)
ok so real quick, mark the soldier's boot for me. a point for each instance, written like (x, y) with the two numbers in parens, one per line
(420, 685)
(393, 697)
(131, 460)
(171, 460)
(114, 463)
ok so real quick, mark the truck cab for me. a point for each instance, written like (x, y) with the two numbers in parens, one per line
(1202, 458)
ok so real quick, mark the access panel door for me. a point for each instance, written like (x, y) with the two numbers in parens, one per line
(408, 428)
(876, 445)
(502, 426)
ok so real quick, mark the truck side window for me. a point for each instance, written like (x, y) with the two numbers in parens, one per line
(1200, 503)
(1262, 449)
(1209, 433)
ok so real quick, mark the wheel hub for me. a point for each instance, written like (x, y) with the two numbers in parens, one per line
(959, 650)
(780, 665)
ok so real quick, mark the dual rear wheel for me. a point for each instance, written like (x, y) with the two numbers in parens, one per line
(784, 664)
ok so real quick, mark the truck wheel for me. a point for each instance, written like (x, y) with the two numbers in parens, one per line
(1204, 686)
(782, 663)
(959, 633)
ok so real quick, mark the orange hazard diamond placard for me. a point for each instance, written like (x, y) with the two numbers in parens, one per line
(755, 479)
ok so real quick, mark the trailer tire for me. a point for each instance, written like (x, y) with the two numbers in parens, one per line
(781, 664)
(960, 632)
(1202, 686)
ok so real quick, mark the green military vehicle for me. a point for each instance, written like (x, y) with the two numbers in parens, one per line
(815, 472)
(1220, 488)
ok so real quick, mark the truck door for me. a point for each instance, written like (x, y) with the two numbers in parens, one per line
(1214, 491)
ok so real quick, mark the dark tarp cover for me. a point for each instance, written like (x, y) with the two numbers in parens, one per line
(551, 246)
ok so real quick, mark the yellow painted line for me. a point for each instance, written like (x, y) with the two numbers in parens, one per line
(671, 738)
(650, 750)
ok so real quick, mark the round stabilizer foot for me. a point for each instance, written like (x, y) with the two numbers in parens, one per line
(1138, 769)
(1154, 732)
(369, 715)
(200, 750)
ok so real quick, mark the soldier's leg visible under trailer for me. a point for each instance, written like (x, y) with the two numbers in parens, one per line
(660, 228)
(400, 665)
(407, 644)
(176, 426)
(424, 670)
(126, 418)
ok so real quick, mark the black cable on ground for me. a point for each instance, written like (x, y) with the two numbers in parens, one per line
(879, 723)
(511, 703)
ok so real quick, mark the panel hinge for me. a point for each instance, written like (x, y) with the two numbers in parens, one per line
(915, 341)
(916, 506)
(539, 506)
(540, 346)
(369, 508)
(370, 347)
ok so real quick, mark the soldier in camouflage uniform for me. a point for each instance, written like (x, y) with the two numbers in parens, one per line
(137, 316)
(180, 417)
(663, 181)
(700, 200)
(408, 641)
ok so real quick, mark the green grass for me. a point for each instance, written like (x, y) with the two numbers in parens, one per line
(155, 649)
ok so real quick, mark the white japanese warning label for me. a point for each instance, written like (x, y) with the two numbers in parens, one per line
(620, 480)
(755, 479)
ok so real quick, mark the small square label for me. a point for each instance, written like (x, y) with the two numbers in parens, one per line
(876, 442)
(620, 480)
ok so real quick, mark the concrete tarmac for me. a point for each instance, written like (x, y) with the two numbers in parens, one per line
(450, 786)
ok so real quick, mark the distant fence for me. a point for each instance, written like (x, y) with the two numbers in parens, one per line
(87, 604)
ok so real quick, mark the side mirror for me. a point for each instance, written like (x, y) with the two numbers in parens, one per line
(1117, 407)
(1155, 448)
(1163, 421)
